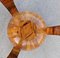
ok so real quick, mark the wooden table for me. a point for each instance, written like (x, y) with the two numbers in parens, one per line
(11, 8)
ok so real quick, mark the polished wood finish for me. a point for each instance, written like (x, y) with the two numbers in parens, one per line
(9, 4)
(55, 30)
(14, 53)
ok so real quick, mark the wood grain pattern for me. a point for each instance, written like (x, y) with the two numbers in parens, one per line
(9, 4)
(14, 53)
(53, 30)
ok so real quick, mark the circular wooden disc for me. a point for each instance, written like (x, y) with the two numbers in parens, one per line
(28, 27)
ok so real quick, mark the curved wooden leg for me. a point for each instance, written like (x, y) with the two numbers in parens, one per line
(14, 53)
(55, 30)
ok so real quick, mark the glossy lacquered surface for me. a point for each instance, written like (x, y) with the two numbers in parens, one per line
(26, 29)
(53, 30)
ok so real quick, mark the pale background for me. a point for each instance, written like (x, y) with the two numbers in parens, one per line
(50, 11)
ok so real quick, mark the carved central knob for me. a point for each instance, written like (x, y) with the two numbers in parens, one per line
(28, 27)
(27, 30)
